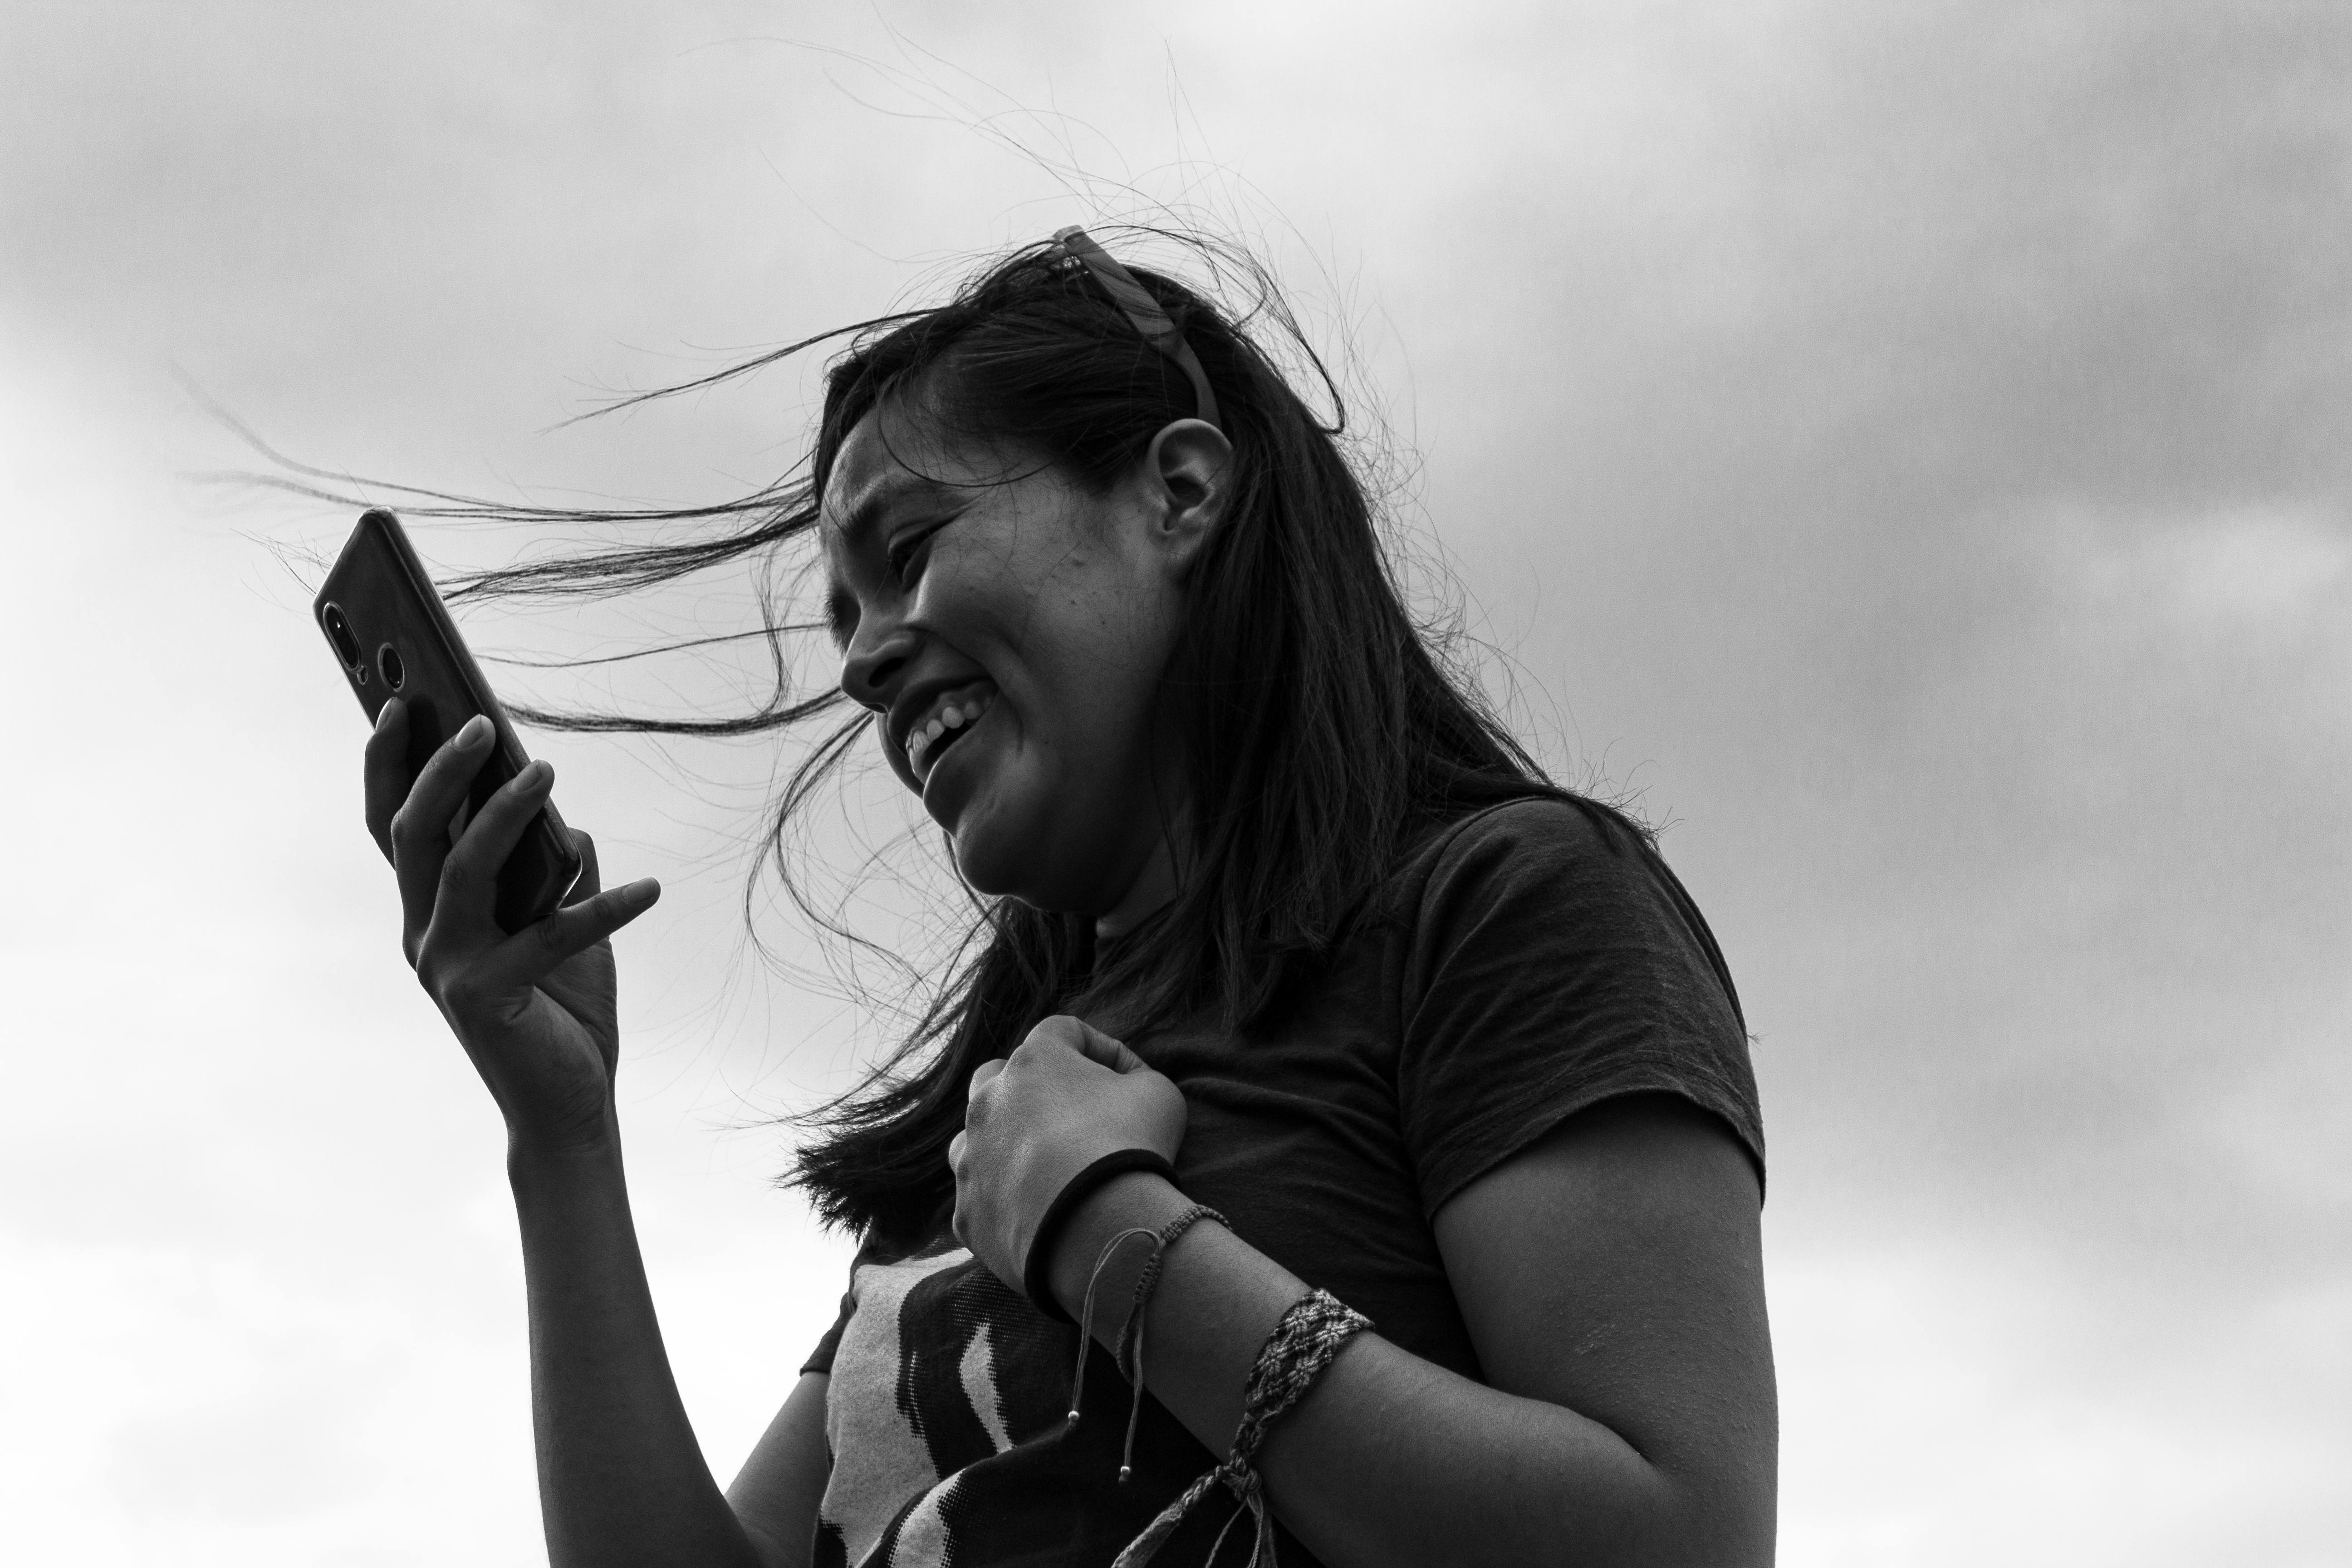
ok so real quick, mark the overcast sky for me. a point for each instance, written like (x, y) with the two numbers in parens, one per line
(1906, 446)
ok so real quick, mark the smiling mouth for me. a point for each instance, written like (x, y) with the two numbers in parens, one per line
(948, 723)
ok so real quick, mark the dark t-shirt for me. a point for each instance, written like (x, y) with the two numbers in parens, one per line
(1535, 958)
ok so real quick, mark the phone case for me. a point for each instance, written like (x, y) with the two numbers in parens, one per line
(394, 637)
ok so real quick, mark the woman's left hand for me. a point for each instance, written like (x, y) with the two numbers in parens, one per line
(1067, 1097)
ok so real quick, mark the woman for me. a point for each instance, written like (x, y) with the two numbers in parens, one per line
(1278, 924)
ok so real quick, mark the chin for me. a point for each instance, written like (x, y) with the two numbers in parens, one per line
(1000, 829)
(983, 872)
(991, 859)
(1003, 855)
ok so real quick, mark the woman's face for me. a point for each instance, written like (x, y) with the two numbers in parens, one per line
(1009, 629)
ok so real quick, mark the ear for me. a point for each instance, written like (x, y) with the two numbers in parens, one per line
(1185, 475)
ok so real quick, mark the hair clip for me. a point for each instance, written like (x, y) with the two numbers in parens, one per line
(1144, 310)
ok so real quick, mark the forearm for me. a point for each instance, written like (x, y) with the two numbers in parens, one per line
(621, 1477)
(1390, 1460)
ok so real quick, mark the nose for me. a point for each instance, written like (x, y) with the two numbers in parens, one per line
(875, 663)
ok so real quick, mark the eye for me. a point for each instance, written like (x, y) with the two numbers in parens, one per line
(840, 617)
(905, 550)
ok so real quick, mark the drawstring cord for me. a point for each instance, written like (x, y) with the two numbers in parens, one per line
(1087, 1315)
(1127, 1355)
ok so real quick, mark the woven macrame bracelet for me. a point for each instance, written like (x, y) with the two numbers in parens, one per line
(1312, 1332)
(1149, 1280)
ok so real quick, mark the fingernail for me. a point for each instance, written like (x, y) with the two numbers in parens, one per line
(476, 732)
(536, 775)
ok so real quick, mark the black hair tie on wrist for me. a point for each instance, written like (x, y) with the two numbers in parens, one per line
(1037, 1269)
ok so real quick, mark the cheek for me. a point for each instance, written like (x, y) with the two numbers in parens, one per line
(1111, 682)
(1086, 722)
(1077, 650)
(1104, 637)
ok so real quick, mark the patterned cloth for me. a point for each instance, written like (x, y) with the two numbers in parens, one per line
(948, 1418)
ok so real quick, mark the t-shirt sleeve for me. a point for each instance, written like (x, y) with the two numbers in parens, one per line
(1554, 963)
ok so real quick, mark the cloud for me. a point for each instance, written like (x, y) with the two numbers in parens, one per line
(1905, 443)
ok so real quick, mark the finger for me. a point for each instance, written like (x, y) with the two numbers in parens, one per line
(589, 885)
(525, 958)
(1101, 1048)
(470, 877)
(420, 826)
(1059, 1030)
(983, 1075)
(385, 771)
(955, 1154)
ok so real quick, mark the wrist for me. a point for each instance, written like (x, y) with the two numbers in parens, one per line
(1134, 1200)
(552, 1148)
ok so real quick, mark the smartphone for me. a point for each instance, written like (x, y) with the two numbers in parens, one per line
(393, 637)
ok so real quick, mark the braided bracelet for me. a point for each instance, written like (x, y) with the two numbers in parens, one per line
(1311, 1333)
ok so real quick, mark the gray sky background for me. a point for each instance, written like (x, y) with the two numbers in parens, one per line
(1907, 445)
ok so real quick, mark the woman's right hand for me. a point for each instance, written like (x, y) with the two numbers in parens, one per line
(535, 1010)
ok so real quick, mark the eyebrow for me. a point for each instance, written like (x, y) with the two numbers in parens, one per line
(888, 494)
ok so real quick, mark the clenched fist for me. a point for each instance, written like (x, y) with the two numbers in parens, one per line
(1067, 1097)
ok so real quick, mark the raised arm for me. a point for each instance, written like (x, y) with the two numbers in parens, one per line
(622, 1479)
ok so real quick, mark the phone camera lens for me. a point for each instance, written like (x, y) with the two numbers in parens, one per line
(339, 632)
(387, 659)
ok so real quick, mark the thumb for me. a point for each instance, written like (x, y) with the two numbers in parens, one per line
(1102, 1049)
(590, 884)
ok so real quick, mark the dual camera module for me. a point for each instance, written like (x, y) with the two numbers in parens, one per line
(347, 649)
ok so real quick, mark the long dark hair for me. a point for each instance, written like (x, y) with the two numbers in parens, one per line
(1322, 736)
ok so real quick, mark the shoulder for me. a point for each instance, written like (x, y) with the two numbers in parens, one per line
(1550, 960)
(1562, 855)
(1555, 875)
(1537, 834)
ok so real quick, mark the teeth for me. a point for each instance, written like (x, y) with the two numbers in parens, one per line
(950, 717)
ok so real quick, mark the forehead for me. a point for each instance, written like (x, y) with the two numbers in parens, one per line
(886, 459)
(869, 471)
